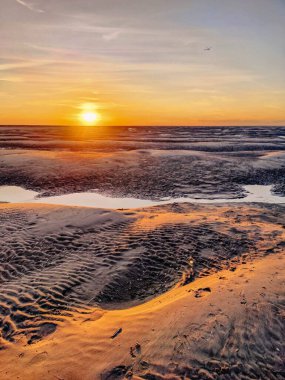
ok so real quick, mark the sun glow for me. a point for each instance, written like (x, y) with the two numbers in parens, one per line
(89, 117)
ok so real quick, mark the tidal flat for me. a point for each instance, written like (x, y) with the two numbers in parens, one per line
(162, 289)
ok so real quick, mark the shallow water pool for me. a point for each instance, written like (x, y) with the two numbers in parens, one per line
(15, 194)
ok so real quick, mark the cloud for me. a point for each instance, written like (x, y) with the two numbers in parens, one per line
(22, 65)
(30, 6)
(112, 35)
(11, 79)
(49, 49)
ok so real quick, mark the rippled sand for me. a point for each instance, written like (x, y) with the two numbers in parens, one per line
(176, 290)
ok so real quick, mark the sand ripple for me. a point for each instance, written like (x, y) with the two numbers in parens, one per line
(58, 260)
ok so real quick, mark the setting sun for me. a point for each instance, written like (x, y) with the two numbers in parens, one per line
(142, 161)
(89, 117)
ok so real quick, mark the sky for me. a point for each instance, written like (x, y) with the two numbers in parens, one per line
(142, 62)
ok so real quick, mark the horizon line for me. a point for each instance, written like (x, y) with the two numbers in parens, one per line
(143, 126)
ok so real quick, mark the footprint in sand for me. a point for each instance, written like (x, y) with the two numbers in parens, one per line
(38, 358)
(202, 292)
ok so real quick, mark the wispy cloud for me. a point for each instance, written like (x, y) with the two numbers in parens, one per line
(112, 35)
(49, 49)
(23, 65)
(11, 79)
(30, 6)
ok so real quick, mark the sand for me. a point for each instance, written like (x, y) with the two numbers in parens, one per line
(177, 291)
(186, 291)
(141, 163)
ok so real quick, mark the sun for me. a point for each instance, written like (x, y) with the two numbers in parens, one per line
(89, 117)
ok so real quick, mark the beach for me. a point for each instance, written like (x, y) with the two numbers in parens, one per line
(142, 190)
(189, 284)
(173, 290)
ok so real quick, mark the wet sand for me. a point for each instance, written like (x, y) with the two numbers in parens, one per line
(181, 281)
(175, 291)
(141, 163)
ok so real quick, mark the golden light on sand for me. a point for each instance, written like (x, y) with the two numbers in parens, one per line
(89, 117)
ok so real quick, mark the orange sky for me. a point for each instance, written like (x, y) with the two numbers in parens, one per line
(143, 63)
